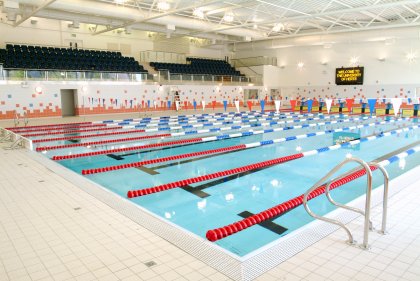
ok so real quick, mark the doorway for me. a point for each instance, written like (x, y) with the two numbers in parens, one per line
(68, 102)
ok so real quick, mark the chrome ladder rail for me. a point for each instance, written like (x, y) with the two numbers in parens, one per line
(367, 202)
(366, 213)
(385, 196)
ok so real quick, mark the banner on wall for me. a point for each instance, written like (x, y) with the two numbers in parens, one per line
(372, 103)
(237, 105)
(154, 104)
(396, 104)
(277, 104)
(203, 104)
(169, 104)
(310, 103)
(177, 105)
(328, 102)
(148, 103)
(225, 104)
(195, 105)
(213, 104)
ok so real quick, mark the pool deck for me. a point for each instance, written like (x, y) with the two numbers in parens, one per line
(50, 229)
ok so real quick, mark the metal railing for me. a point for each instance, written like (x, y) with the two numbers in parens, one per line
(365, 212)
(162, 76)
(66, 75)
(156, 56)
(165, 75)
(254, 61)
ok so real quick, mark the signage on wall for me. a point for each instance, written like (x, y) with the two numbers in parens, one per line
(349, 76)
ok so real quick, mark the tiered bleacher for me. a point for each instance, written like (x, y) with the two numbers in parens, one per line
(198, 66)
(50, 58)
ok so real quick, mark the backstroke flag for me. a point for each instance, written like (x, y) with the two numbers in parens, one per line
(293, 104)
(371, 103)
(277, 104)
(249, 105)
(349, 103)
(237, 105)
(328, 102)
(310, 102)
(396, 104)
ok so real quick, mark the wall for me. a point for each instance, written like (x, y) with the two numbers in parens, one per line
(48, 32)
(108, 97)
(388, 73)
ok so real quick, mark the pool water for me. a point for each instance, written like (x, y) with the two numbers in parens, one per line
(226, 200)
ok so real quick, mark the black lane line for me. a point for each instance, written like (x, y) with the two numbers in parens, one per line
(147, 170)
(115, 157)
(195, 190)
(268, 224)
(187, 144)
(198, 190)
(196, 159)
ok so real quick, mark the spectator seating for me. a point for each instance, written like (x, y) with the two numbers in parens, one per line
(198, 66)
(49, 58)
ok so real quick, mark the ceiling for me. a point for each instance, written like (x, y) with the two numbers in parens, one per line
(222, 21)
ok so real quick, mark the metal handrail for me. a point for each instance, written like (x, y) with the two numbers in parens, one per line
(335, 203)
(367, 203)
(385, 197)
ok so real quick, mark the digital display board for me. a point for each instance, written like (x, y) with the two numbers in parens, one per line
(349, 76)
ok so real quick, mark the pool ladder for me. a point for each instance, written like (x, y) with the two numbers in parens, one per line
(366, 212)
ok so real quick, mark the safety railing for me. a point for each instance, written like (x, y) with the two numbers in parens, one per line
(165, 75)
(66, 75)
(254, 61)
(366, 212)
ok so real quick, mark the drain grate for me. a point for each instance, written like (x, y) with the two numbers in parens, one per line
(150, 263)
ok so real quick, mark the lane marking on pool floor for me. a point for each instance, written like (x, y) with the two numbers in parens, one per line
(224, 231)
(180, 183)
(185, 142)
(220, 151)
(171, 135)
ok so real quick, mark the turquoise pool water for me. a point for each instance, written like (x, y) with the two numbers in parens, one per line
(223, 200)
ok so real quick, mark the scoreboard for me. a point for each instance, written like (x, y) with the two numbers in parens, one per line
(349, 76)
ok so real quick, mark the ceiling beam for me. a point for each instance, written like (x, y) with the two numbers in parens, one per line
(195, 5)
(24, 18)
(414, 24)
(318, 15)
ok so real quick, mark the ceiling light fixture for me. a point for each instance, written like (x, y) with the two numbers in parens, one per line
(228, 17)
(354, 60)
(411, 56)
(278, 27)
(198, 13)
(163, 5)
(300, 65)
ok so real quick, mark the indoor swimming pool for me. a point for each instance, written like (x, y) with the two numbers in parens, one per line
(226, 148)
